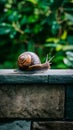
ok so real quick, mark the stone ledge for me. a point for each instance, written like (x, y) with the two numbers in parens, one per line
(11, 76)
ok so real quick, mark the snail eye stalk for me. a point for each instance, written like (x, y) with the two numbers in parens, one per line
(51, 58)
(47, 58)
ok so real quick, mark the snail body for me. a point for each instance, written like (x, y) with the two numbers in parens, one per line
(30, 61)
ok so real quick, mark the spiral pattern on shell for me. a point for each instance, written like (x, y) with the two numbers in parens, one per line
(27, 59)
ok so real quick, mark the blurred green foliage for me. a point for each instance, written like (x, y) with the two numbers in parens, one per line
(41, 26)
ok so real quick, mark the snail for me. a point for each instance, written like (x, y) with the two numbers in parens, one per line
(31, 61)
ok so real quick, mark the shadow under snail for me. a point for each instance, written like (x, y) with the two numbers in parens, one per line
(31, 61)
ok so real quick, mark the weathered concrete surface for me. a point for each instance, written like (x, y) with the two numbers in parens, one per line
(32, 101)
(15, 125)
(54, 125)
(50, 76)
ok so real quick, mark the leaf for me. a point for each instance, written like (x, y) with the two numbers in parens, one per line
(27, 30)
(55, 28)
(69, 59)
(67, 47)
(24, 20)
(69, 17)
(32, 18)
(50, 45)
(50, 19)
(59, 47)
(13, 16)
(61, 66)
(68, 62)
(5, 28)
(64, 35)
(33, 1)
(70, 55)
(52, 39)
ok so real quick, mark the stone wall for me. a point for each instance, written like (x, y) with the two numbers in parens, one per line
(53, 125)
(44, 98)
(32, 101)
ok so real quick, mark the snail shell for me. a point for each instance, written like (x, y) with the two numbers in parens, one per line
(27, 59)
